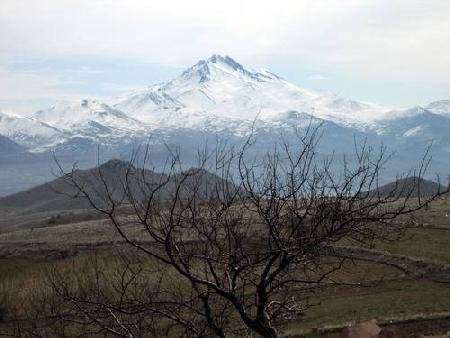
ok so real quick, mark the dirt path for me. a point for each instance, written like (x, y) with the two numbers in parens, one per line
(422, 268)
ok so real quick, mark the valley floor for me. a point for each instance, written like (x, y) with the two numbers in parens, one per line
(413, 291)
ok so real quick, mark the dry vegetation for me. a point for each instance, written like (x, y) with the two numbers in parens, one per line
(27, 292)
(30, 289)
(284, 246)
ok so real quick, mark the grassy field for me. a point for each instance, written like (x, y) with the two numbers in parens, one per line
(392, 299)
(397, 297)
(427, 243)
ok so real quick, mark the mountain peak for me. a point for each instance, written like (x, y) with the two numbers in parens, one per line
(115, 165)
(226, 60)
(213, 68)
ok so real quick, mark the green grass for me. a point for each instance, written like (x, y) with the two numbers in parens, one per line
(393, 299)
(425, 243)
(437, 215)
(399, 299)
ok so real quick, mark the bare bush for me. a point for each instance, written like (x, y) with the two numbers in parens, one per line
(236, 245)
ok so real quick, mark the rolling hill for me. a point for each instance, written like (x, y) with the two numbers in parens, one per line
(60, 195)
(409, 187)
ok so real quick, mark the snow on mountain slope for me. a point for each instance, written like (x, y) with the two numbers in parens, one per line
(29, 132)
(220, 88)
(90, 118)
(440, 107)
(216, 95)
(416, 123)
(151, 99)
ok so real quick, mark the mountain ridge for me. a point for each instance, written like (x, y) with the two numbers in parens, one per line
(220, 98)
(213, 95)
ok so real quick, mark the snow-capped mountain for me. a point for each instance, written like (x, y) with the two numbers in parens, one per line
(416, 122)
(220, 88)
(90, 119)
(440, 107)
(215, 95)
(29, 132)
(47, 129)
(220, 97)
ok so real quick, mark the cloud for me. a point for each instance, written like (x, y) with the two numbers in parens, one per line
(26, 86)
(24, 90)
(176, 32)
(166, 32)
(17, 84)
(317, 77)
(366, 39)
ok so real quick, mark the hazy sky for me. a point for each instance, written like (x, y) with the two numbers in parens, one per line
(389, 51)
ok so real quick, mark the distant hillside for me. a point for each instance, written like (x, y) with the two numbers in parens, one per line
(59, 194)
(9, 147)
(410, 186)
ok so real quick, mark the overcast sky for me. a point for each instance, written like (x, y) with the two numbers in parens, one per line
(389, 51)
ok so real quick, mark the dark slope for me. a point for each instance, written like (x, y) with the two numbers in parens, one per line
(60, 194)
(409, 187)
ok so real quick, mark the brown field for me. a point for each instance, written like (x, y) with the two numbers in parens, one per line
(27, 254)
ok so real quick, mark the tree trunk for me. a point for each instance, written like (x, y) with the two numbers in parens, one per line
(264, 329)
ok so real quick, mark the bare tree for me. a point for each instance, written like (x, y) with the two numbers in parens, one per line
(241, 243)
